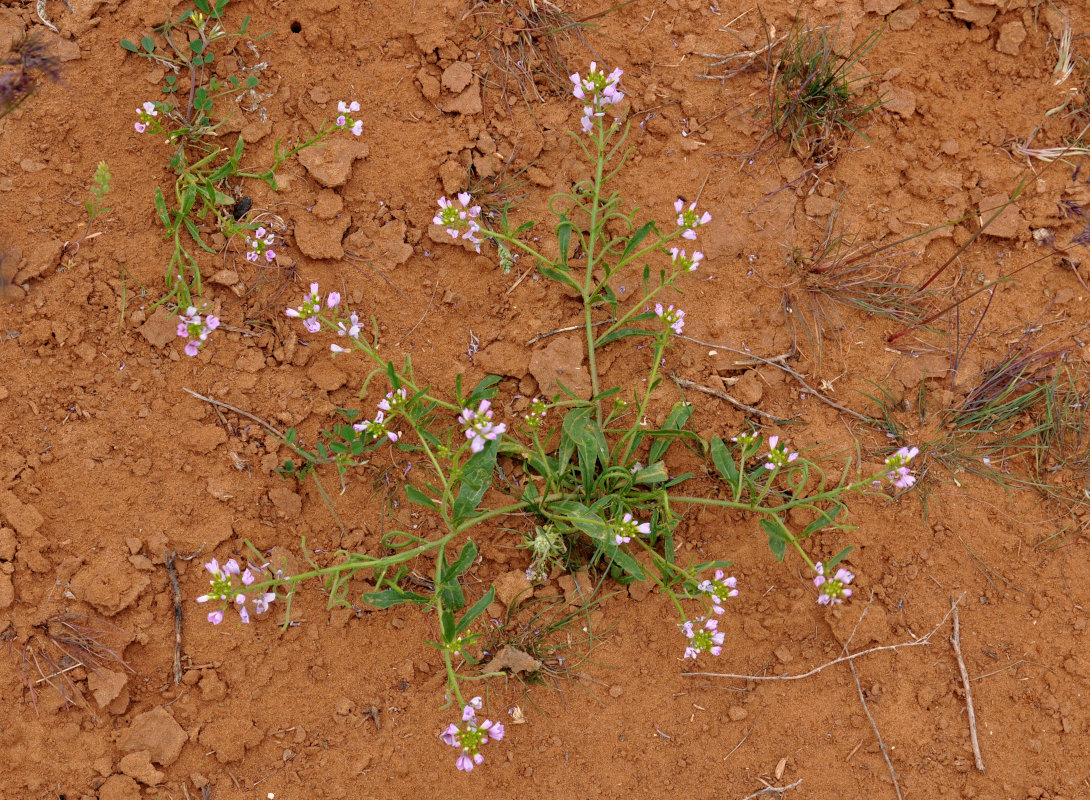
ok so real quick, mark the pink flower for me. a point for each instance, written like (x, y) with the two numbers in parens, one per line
(479, 426)
(688, 220)
(832, 591)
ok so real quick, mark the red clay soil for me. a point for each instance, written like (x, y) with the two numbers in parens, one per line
(109, 466)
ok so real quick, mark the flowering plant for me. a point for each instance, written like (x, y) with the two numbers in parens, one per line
(592, 486)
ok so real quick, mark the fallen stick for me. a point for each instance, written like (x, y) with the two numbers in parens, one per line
(925, 639)
(955, 640)
(773, 790)
(169, 561)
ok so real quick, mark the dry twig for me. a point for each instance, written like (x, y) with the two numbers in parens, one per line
(687, 384)
(874, 726)
(773, 790)
(955, 640)
(925, 639)
(169, 561)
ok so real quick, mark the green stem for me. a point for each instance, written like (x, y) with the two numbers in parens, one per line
(630, 434)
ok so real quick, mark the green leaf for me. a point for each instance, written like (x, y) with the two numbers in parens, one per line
(392, 597)
(777, 541)
(481, 390)
(208, 57)
(571, 434)
(196, 234)
(563, 239)
(558, 276)
(677, 420)
(723, 461)
(251, 82)
(826, 519)
(476, 478)
(626, 562)
(446, 626)
(189, 197)
(197, 46)
(421, 499)
(172, 79)
(148, 44)
(637, 237)
(161, 208)
(202, 6)
(653, 473)
(832, 562)
(475, 611)
(621, 333)
(464, 561)
(127, 45)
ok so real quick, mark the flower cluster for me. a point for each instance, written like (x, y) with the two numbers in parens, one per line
(195, 329)
(705, 639)
(145, 116)
(345, 122)
(376, 428)
(596, 91)
(746, 440)
(719, 588)
(456, 220)
(832, 590)
(311, 307)
(688, 219)
(479, 426)
(672, 318)
(470, 735)
(536, 415)
(778, 457)
(228, 587)
(899, 473)
(683, 261)
(261, 246)
(627, 527)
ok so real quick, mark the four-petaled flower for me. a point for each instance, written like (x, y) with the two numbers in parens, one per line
(688, 219)
(627, 527)
(778, 457)
(720, 588)
(345, 122)
(686, 262)
(145, 114)
(832, 591)
(706, 639)
(456, 220)
(672, 318)
(261, 246)
(471, 735)
(900, 475)
(191, 326)
(479, 426)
